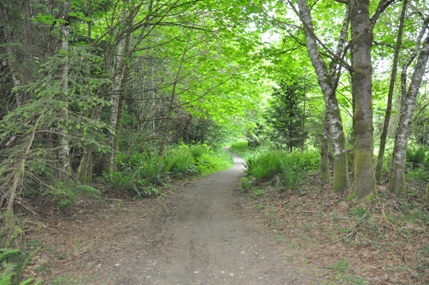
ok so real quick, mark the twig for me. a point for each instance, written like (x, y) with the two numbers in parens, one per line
(353, 231)
(165, 207)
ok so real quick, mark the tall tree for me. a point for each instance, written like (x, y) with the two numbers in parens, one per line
(408, 103)
(383, 137)
(328, 81)
(361, 45)
(286, 114)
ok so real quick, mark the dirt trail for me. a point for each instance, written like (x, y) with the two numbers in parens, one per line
(206, 237)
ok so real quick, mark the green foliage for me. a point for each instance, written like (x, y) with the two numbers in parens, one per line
(417, 157)
(287, 169)
(137, 173)
(65, 194)
(141, 172)
(286, 115)
(240, 147)
(13, 262)
(417, 162)
(208, 160)
(58, 108)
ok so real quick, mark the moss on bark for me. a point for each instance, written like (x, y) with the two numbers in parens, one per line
(364, 175)
(341, 175)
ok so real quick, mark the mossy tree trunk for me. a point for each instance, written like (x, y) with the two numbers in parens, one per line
(408, 103)
(361, 44)
(328, 82)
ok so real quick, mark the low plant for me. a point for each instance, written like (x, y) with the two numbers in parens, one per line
(66, 194)
(240, 146)
(141, 173)
(285, 168)
(13, 262)
(416, 157)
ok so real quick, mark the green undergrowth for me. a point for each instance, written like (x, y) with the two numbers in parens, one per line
(280, 168)
(417, 163)
(13, 263)
(143, 173)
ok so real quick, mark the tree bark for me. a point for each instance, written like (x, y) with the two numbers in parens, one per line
(383, 137)
(361, 44)
(325, 175)
(10, 54)
(64, 150)
(408, 103)
(326, 82)
(119, 86)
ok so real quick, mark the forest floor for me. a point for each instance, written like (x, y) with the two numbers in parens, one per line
(208, 231)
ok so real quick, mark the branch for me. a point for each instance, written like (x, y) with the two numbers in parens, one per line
(310, 30)
(382, 6)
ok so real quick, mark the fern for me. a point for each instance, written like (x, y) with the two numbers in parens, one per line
(9, 260)
(6, 280)
(8, 252)
(29, 281)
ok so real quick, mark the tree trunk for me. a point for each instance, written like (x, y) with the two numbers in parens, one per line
(383, 137)
(64, 144)
(119, 86)
(408, 103)
(341, 180)
(325, 175)
(84, 171)
(361, 44)
(10, 54)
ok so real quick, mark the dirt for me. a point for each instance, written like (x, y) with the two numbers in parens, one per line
(200, 232)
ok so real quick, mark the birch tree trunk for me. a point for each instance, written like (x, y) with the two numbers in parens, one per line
(383, 137)
(119, 84)
(361, 44)
(64, 150)
(328, 86)
(408, 103)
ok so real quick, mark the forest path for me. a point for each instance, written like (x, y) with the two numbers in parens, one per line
(203, 234)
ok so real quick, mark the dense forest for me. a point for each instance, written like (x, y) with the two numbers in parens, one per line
(127, 95)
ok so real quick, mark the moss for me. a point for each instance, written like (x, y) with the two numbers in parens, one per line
(364, 173)
(371, 197)
(341, 178)
(351, 196)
